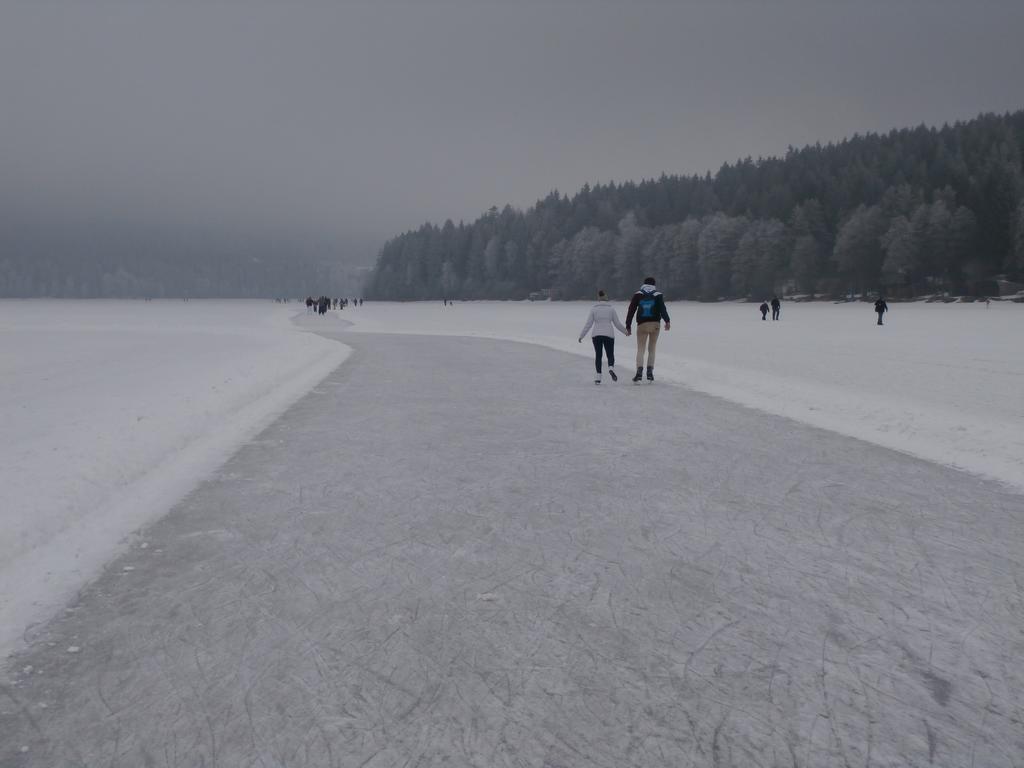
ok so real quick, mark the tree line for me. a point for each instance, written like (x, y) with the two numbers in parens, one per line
(913, 211)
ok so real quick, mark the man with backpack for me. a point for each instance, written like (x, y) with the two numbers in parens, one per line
(648, 305)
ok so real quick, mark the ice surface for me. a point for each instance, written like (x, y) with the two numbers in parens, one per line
(461, 552)
(938, 381)
(111, 410)
(119, 407)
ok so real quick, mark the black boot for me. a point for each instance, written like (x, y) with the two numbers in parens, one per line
(639, 375)
(650, 373)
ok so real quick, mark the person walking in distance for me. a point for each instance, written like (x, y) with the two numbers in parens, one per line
(648, 305)
(880, 309)
(764, 310)
(776, 307)
(604, 320)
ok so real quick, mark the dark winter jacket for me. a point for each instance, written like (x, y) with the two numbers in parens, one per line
(648, 304)
(881, 306)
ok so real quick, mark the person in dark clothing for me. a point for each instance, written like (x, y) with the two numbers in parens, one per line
(764, 310)
(776, 307)
(880, 309)
(648, 305)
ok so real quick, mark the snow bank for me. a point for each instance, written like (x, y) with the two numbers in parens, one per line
(111, 411)
(941, 382)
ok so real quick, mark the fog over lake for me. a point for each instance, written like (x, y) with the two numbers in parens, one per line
(319, 130)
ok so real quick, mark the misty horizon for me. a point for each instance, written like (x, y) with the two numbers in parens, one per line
(324, 131)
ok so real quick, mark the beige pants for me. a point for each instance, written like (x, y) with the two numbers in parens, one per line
(646, 338)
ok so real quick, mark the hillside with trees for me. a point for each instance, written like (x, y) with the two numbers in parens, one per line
(913, 211)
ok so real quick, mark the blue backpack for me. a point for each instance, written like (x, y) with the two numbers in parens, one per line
(645, 308)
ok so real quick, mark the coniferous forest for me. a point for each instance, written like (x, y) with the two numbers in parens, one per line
(911, 212)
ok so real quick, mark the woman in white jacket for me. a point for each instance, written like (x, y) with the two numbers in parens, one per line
(604, 320)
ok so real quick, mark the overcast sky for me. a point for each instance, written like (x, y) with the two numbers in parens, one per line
(337, 124)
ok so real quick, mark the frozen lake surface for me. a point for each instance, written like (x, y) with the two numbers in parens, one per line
(461, 552)
(112, 410)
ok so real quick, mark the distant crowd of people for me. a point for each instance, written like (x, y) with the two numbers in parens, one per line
(321, 305)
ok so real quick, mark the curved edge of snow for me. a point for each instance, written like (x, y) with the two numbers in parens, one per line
(36, 584)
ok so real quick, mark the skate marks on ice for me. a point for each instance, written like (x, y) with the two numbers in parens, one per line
(439, 559)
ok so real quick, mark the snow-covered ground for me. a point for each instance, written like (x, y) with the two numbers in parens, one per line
(460, 551)
(110, 411)
(941, 382)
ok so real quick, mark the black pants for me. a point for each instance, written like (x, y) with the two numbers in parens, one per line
(608, 344)
(880, 318)
(775, 313)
